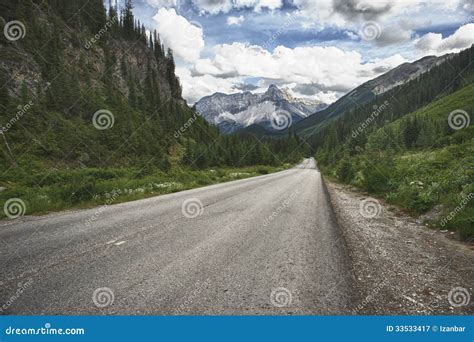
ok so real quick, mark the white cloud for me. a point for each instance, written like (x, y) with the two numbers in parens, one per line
(237, 21)
(334, 11)
(317, 72)
(224, 6)
(194, 88)
(434, 43)
(214, 6)
(397, 18)
(352, 35)
(332, 69)
(176, 32)
(259, 4)
(163, 3)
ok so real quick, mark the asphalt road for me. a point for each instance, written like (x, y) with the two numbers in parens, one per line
(264, 245)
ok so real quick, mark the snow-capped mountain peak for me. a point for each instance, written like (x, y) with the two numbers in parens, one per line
(231, 112)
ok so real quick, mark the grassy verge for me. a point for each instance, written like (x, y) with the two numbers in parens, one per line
(420, 181)
(420, 167)
(88, 187)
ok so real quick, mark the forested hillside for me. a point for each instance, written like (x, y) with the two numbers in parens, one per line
(412, 145)
(88, 96)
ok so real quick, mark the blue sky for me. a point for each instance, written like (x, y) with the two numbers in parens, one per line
(315, 49)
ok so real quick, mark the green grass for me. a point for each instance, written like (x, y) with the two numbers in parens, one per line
(421, 178)
(87, 187)
(419, 181)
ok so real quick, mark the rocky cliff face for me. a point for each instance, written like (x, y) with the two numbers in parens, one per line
(23, 71)
(88, 56)
(404, 73)
(231, 112)
(91, 81)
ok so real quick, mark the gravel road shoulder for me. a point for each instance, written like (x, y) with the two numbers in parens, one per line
(401, 266)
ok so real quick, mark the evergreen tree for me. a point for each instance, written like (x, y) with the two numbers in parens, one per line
(128, 21)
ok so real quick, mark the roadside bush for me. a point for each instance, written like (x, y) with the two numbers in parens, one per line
(377, 175)
(413, 197)
(345, 171)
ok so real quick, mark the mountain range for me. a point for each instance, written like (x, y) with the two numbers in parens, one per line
(233, 112)
(367, 91)
(253, 113)
(100, 91)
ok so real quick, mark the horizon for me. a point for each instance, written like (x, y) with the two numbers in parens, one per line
(319, 51)
(123, 204)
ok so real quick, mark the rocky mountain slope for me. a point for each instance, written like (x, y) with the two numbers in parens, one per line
(78, 80)
(231, 112)
(367, 92)
(86, 53)
(85, 87)
(412, 146)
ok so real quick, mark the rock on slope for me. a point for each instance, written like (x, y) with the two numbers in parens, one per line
(367, 91)
(231, 112)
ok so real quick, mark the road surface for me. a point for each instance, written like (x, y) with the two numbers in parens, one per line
(264, 245)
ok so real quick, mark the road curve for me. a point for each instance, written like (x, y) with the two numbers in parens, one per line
(264, 245)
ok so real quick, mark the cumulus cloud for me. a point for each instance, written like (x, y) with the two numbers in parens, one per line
(219, 6)
(434, 43)
(245, 87)
(393, 34)
(330, 70)
(237, 21)
(184, 37)
(259, 4)
(196, 87)
(466, 5)
(214, 6)
(366, 10)
(340, 11)
(163, 3)
(391, 15)
(318, 72)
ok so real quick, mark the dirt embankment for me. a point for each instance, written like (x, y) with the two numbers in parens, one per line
(401, 266)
